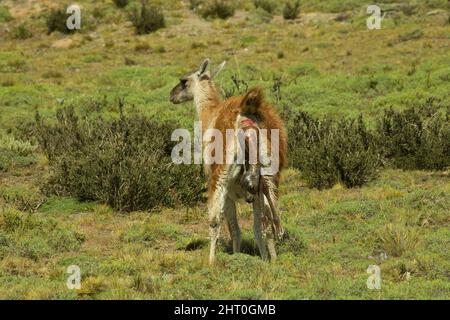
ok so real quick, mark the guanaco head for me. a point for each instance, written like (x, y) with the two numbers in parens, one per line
(192, 82)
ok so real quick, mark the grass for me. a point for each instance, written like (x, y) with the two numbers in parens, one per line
(334, 235)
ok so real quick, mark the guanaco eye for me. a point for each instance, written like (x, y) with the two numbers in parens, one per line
(183, 83)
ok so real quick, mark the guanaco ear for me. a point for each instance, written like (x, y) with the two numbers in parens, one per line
(219, 69)
(204, 67)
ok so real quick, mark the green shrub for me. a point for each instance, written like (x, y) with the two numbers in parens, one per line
(222, 9)
(329, 151)
(147, 18)
(261, 16)
(22, 32)
(125, 162)
(195, 5)
(57, 21)
(267, 5)
(291, 10)
(5, 16)
(416, 138)
(121, 3)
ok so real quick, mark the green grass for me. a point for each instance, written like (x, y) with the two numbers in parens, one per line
(328, 67)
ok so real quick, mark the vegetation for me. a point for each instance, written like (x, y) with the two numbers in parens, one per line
(398, 221)
(30, 237)
(121, 3)
(222, 9)
(57, 21)
(291, 10)
(15, 152)
(5, 16)
(416, 138)
(194, 5)
(267, 5)
(125, 163)
(329, 152)
(22, 32)
(147, 18)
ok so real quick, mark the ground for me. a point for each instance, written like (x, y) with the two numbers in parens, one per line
(399, 222)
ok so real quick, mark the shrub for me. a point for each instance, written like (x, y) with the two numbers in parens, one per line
(267, 5)
(327, 151)
(57, 21)
(147, 18)
(125, 162)
(416, 138)
(218, 9)
(261, 16)
(291, 10)
(21, 32)
(121, 3)
(195, 5)
(5, 16)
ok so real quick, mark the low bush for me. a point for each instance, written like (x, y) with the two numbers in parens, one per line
(329, 151)
(121, 3)
(125, 162)
(147, 18)
(221, 9)
(291, 10)
(21, 32)
(267, 5)
(416, 138)
(57, 21)
(5, 16)
(195, 5)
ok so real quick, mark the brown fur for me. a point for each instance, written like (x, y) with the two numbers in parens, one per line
(226, 113)
(244, 112)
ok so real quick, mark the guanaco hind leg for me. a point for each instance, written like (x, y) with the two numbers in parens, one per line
(233, 224)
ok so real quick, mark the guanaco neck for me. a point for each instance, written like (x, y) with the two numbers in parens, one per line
(206, 98)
